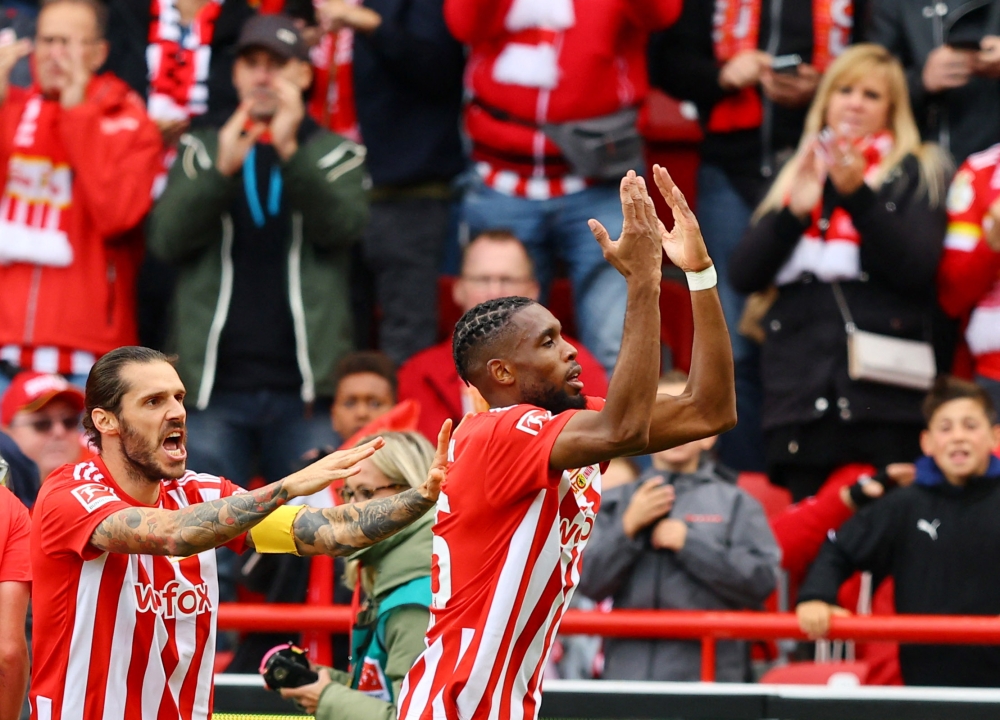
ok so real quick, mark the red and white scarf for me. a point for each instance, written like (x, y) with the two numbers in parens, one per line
(39, 192)
(736, 28)
(834, 253)
(178, 62)
(332, 101)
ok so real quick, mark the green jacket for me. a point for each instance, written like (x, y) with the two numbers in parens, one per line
(192, 229)
(399, 559)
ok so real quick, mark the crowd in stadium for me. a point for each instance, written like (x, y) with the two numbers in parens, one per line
(298, 199)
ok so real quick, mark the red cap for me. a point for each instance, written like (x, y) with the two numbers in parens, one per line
(31, 391)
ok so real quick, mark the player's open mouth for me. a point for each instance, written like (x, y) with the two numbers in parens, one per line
(173, 445)
(573, 378)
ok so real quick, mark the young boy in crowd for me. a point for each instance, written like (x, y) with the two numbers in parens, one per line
(939, 539)
(682, 537)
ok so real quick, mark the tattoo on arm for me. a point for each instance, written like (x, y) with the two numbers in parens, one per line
(190, 530)
(344, 529)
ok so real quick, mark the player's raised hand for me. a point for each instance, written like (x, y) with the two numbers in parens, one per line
(636, 254)
(438, 471)
(335, 466)
(684, 244)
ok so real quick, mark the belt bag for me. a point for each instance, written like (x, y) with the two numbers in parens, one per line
(884, 358)
(602, 148)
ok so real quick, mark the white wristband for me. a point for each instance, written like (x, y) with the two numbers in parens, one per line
(703, 280)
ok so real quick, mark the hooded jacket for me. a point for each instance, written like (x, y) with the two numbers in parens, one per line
(401, 559)
(941, 545)
(729, 562)
(85, 173)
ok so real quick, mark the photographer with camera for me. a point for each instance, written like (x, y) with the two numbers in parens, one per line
(395, 575)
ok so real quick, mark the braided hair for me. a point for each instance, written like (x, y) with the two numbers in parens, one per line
(482, 326)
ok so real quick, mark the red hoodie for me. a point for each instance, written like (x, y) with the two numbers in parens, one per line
(77, 184)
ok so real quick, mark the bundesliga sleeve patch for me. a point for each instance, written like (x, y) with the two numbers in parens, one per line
(94, 495)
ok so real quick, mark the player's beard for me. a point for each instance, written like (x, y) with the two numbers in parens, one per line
(552, 398)
(140, 454)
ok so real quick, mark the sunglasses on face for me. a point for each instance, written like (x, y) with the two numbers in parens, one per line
(365, 493)
(44, 425)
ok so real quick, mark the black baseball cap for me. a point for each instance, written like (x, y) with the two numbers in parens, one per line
(275, 33)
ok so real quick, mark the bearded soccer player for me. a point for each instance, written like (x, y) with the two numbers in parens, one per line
(525, 478)
(122, 548)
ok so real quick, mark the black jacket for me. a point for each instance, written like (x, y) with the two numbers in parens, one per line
(682, 63)
(941, 545)
(804, 356)
(963, 120)
(408, 94)
(128, 37)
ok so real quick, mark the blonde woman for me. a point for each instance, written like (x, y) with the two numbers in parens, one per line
(395, 575)
(859, 205)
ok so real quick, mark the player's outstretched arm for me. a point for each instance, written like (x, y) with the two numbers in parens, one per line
(345, 529)
(203, 526)
(708, 405)
(622, 426)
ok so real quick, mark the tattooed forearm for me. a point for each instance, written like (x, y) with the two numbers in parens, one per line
(190, 530)
(346, 528)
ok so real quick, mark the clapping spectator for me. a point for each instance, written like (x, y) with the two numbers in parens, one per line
(682, 537)
(495, 264)
(952, 60)
(407, 87)
(938, 539)
(77, 159)
(969, 276)
(259, 217)
(554, 92)
(859, 211)
(720, 56)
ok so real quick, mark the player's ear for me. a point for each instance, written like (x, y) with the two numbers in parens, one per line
(500, 372)
(105, 422)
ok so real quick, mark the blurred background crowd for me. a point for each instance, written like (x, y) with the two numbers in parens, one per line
(300, 198)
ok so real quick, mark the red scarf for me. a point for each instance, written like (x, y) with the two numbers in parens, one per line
(736, 28)
(833, 253)
(39, 192)
(178, 60)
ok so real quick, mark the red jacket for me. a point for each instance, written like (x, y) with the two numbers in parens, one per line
(600, 68)
(969, 275)
(431, 378)
(100, 157)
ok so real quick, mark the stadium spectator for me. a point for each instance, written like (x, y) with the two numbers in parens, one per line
(17, 20)
(15, 590)
(951, 53)
(41, 413)
(122, 548)
(395, 575)
(407, 85)
(494, 264)
(969, 276)
(719, 55)
(364, 388)
(938, 539)
(554, 93)
(258, 217)
(682, 537)
(178, 55)
(858, 211)
(77, 159)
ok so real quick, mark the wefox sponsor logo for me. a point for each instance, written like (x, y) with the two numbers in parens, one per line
(173, 601)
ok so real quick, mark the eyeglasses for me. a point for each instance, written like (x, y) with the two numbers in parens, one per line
(45, 424)
(366, 493)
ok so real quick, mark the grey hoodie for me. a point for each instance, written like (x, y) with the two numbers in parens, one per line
(729, 561)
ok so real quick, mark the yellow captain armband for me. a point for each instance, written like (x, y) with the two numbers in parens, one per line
(274, 533)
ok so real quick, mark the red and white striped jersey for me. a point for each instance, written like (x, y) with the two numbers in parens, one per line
(508, 537)
(119, 637)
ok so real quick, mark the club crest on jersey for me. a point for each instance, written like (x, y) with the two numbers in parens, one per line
(532, 421)
(172, 601)
(94, 495)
